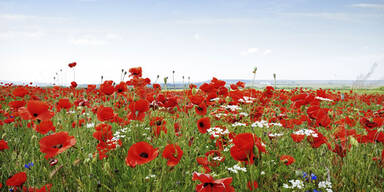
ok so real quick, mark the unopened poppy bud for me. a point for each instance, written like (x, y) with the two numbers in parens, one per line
(53, 162)
(33, 137)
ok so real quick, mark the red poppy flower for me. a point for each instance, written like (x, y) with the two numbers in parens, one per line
(105, 113)
(136, 72)
(20, 92)
(158, 129)
(204, 162)
(141, 153)
(16, 104)
(138, 109)
(254, 187)
(107, 87)
(340, 149)
(240, 84)
(55, 144)
(121, 87)
(176, 127)
(318, 140)
(201, 109)
(73, 64)
(173, 153)
(268, 91)
(370, 124)
(17, 179)
(242, 155)
(196, 99)
(243, 149)
(157, 121)
(103, 132)
(287, 160)
(45, 188)
(63, 104)
(234, 87)
(156, 86)
(36, 110)
(73, 84)
(91, 87)
(45, 126)
(302, 99)
(191, 86)
(297, 138)
(208, 184)
(320, 115)
(203, 124)
(3, 145)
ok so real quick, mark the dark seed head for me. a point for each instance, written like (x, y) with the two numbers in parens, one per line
(144, 155)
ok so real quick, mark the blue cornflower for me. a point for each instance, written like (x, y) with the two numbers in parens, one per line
(28, 165)
(313, 176)
(315, 190)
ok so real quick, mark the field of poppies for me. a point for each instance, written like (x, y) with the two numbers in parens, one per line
(137, 136)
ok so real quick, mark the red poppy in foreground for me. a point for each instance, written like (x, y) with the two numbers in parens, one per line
(55, 144)
(208, 184)
(45, 126)
(141, 153)
(173, 153)
(36, 110)
(17, 179)
(203, 124)
(243, 150)
(287, 160)
(3, 145)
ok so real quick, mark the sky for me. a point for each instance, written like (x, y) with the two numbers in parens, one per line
(200, 39)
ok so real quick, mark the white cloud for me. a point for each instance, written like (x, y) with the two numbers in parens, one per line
(91, 39)
(31, 18)
(196, 36)
(15, 17)
(322, 15)
(212, 21)
(113, 36)
(250, 51)
(267, 51)
(87, 40)
(256, 51)
(368, 5)
(20, 35)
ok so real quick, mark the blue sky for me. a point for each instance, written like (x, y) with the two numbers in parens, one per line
(296, 39)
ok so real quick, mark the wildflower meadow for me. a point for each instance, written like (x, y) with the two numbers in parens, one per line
(136, 135)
